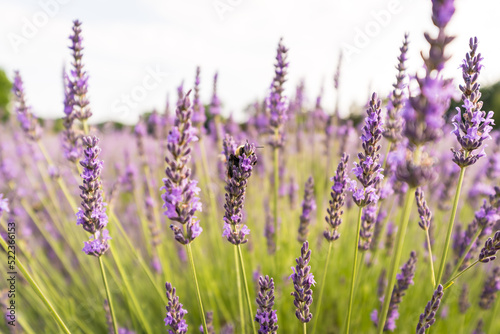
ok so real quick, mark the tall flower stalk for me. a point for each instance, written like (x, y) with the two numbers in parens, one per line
(425, 224)
(472, 127)
(423, 124)
(92, 213)
(333, 220)
(369, 173)
(303, 280)
(181, 199)
(239, 168)
(276, 105)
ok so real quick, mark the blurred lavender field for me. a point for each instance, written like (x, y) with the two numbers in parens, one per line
(302, 218)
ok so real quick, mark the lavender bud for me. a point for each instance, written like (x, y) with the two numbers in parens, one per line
(427, 319)
(276, 103)
(175, 312)
(423, 210)
(394, 122)
(490, 289)
(491, 247)
(239, 167)
(266, 316)
(473, 126)
(463, 299)
(92, 213)
(78, 80)
(369, 170)
(28, 121)
(337, 200)
(403, 282)
(308, 205)
(181, 193)
(303, 279)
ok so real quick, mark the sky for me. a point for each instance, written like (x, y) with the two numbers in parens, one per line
(138, 52)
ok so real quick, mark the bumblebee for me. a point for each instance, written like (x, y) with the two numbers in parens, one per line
(234, 159)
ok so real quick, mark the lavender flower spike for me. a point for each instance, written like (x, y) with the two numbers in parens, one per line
(303, 279)
(490, 249)
(78, 76)
(337, 201)
(175, 312)
(181, 193)
(239, 171)
(92, 213)
(308, 205)
(276, 102)
(423, 210)
(473, 126)
(427, 319)
(491, 287)
(266, 316)
(369, 170)
(28, 121)
(404, 280)
(394, 122)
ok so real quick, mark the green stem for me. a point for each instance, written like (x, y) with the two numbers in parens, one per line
(354, 267)
(200, 304)
(275, 203)
(305, 328)
(108, 295)
(450, 227)
(405, 217)
(130, 291)
(238, 284)
(247, 292)
(431, 261)
(451, 280)
(323, 283)
(85, 127)
(462, 258)
(39, 292)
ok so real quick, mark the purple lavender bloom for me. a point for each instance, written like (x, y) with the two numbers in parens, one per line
(473, 126)
(369, 170)
(276, 103)
(28, 121)
(78, 79)
(368, 221)
(92, 213)
(394, 122)
(209, 317)
(442, 11)
(308, 206)
(266, 316)
(484, 220)
(215, 105)
(403, 282)
(427, 319)
(303, 280)
(337, 201)
(71, 146)
(239, 167)
(424, 113)
(423, 210)
(199, 117)
(175, 312)
(407, 171)
(490, 289)
(4, 205)
(463, 299)
(181, 193)
(293, 188)
(490, 249)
